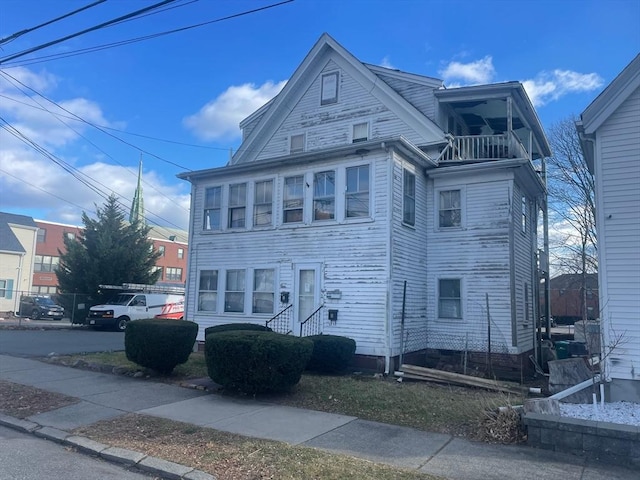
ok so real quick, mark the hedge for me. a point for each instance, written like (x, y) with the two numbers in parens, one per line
(331, 353)
(159, 344)
(235, 326)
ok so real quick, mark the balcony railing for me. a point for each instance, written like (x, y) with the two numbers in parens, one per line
(474, 148)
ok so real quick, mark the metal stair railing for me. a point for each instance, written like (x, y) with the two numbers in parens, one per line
(312, 325)
(281, 322)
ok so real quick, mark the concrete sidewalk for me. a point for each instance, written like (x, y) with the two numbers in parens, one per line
(105, 396)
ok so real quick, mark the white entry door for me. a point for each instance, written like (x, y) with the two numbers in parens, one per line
(307, 292)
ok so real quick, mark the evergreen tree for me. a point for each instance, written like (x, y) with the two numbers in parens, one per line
(108, 251)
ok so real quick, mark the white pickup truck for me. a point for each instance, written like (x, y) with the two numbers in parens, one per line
(126, 307)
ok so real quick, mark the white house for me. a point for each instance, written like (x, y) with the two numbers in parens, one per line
(356, 179)
(17, 247)
(609, 130)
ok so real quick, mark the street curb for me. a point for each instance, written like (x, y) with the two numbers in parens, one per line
(128, 458)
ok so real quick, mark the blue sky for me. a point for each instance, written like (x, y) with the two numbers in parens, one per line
(176, 100)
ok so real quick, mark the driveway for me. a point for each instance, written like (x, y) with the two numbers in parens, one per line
(39, 343)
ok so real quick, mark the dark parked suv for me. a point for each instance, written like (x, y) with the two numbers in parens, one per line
(40, 306)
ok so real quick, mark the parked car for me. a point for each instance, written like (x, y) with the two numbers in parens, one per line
(40, 306)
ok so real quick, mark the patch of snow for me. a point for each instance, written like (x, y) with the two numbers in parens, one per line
(626, 413)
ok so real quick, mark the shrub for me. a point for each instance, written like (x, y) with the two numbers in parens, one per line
(235, 326)
(159, 344)
(255, 362)
(331, 353)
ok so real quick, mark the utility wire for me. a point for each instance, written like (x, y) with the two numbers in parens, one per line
(27, 30)
(137, 39)
(87, 30)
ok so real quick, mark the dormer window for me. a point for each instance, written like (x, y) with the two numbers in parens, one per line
(296, 143)
(329, 92)
(360, 132)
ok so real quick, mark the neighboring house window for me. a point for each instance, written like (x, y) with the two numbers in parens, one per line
(237, 205)
(329, 88)
(161, 250)
(174, 273)
(234, 293)
(263, 203)
(357, 196)
(155, 269)
(42, 235)
(293, 199)
(44, 290)
(324, 195)
(45, 263)
(3, 288)
(297, 143)
(409, 198)
(180, 253)
(524, 214)
(70, 235)
(212, 204)
(450, 208)
(208, 291)
(263, 290)
(449, 298)
(360, 132)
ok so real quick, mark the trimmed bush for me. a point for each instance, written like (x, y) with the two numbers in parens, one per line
(235, 326)
(331, 353)
(159, 344)
(256, 362)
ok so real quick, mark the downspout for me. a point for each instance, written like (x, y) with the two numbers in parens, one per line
(389, 253)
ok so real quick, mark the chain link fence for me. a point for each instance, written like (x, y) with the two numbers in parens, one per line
(37, 305)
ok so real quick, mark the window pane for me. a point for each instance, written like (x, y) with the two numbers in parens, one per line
(207, 301)
(360, 132)
(329, 92)
(357, 198)
(262, 209)
(449, 301)
(409, 202)
(213, 197)
(297, 143)
(450, 208)
(208, 295)
(209, 280)
(212, 203)
(238, 195)
(234, 295)
(293, 199)
(212, 219)
(264, 290)
(324, 196)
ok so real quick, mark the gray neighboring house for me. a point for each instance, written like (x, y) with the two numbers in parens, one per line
(609, 131)
(18, 235)
(356, 179)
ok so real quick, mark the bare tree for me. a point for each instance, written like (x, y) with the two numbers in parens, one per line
(572, 205)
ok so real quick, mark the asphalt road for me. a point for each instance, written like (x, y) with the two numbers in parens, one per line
(39, 343)
(25, 457)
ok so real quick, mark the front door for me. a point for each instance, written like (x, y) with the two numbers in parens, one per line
(307, 293)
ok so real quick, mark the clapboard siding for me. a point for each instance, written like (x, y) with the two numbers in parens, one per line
(331, 125)
(618, 151)
(478, 254)
(418, 95)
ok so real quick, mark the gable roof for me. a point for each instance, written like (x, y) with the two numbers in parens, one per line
(8, 240)
(605, 105)
(302, 78)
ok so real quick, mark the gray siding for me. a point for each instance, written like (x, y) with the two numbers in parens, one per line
(418, 95)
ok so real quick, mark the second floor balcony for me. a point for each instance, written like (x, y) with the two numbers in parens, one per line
(475, 148)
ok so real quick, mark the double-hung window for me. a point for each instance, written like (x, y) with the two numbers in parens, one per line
(263, 290)
(234, 293)
(212, 204)
(263, 203)
(293, 199)
(329, 88)
(450, 210)
(174, 273)
(208, 291)
(360, 132)
(409, 198)
(357, 194)
(449, 298)
(237, 205)
(324, 195)
(296, 144)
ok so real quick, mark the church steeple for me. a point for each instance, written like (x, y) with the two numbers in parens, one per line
(137, 206)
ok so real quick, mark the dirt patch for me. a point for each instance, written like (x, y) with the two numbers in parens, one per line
(22, 401)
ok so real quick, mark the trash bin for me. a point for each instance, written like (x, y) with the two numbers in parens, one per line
(562, 349)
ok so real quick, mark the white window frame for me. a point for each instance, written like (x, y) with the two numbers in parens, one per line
(439, 298)
(438, 192)
(259, 202)
(243, 291)
(161, 250)
(359, 138)
(41, 235)
(357, 192)
(324, 197)
(180, 253)
(408, 198)
(525, 214)
(256, 292)
(205, 225)
(329, 88)
(237, 203)
(286, 208)
(295, 148)
(171, 273)
(208, 291)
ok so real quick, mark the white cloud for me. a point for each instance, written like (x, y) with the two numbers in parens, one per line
(219, 119)
(550, 86)
(386, 63)
(472, 73)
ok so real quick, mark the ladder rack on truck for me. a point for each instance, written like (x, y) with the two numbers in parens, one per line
(142, 288)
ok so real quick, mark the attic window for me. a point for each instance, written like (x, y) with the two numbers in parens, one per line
(329, 92)
(360, 132)
(297, 143)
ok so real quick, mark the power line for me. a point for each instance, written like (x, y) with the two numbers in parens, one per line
(27, 30)
(138, 39)
(87, 30)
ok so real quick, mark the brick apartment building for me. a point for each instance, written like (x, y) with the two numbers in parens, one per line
(172, 244)
(566, 297)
